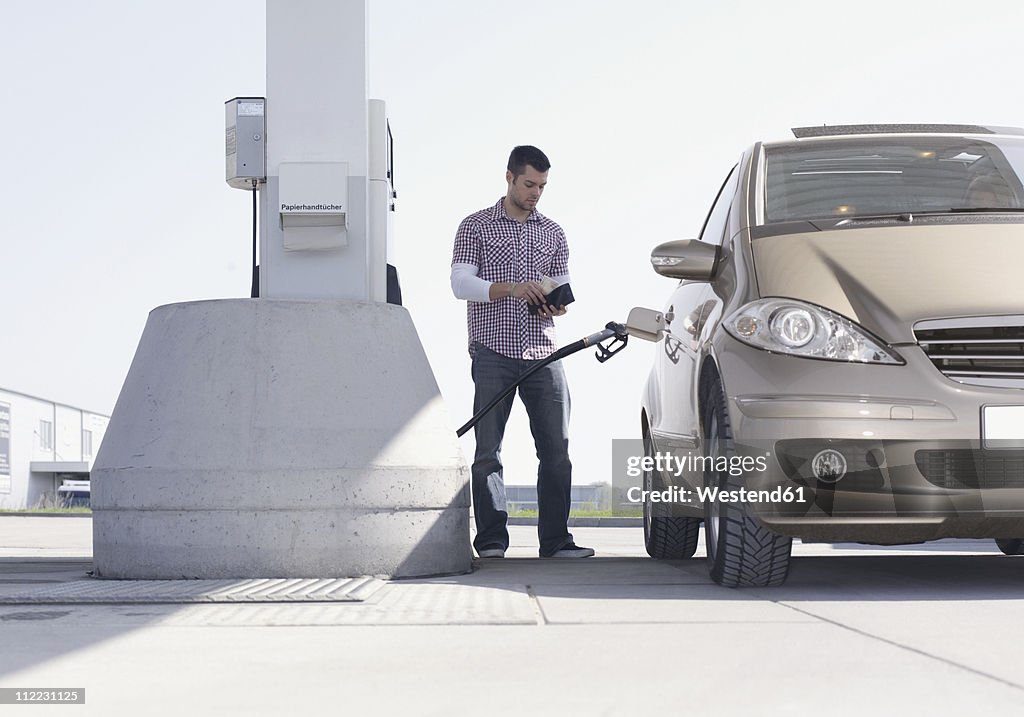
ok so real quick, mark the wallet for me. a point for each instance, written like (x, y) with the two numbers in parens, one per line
(559, 296)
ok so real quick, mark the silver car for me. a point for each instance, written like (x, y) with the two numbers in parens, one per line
(843, 357)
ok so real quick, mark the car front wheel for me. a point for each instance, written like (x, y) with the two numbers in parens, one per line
(741, 550)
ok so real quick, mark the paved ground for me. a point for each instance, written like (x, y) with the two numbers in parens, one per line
(854, 631)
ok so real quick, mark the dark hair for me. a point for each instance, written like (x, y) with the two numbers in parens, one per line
(526, 154)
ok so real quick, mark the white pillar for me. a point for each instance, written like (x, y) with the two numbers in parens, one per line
(316, 112)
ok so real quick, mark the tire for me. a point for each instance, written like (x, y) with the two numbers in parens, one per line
(666, 537)
(742, 552)
(1011, 546)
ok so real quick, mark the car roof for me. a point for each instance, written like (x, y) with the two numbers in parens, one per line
(861, 132)
(862, 129)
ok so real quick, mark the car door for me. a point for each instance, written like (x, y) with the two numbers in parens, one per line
(676, 425)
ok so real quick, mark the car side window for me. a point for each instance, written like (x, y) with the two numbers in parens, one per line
(714, 226)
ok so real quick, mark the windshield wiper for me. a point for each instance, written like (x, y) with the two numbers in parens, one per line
(909, 216)
(972, 210)
(895, 216)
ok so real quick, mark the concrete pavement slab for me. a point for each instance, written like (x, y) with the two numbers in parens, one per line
(20, 573)
(661, 604)
(854, 631)
(586, 571)
(745, 669)
(974, 635)
(36, 536)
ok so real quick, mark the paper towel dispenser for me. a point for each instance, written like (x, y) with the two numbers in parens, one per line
(313, 200)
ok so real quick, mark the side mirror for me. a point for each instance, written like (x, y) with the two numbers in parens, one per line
(686, 259)
(646, 324)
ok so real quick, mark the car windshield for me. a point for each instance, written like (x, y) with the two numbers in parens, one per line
(874, 176)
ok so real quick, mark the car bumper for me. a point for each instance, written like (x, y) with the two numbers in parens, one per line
(910, 441)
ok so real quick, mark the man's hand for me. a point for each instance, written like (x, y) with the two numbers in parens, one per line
(532, 293)
(528, 291)
(552, 311)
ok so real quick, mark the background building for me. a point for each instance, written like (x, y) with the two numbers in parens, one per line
(42, 444)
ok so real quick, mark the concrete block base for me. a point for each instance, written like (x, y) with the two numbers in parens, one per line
(261, 438)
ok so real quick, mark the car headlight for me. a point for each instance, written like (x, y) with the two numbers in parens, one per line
(793, 327)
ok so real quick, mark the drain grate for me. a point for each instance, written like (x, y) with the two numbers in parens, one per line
(263, 590)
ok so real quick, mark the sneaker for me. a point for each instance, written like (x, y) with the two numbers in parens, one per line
(571, 550)
(491, 553)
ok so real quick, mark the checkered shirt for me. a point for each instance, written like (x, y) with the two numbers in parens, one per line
(506, 250)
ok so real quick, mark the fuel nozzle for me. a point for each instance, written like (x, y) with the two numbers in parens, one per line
(614, 342)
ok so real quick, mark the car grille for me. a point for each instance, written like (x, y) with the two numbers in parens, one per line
(986, 354)
(965, 468)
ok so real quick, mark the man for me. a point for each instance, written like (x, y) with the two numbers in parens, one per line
(501, 253)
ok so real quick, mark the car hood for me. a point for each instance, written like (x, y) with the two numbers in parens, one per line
(887, 278)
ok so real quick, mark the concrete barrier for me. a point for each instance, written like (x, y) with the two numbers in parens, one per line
(264, 438)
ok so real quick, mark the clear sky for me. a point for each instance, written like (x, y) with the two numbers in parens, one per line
(113, 165)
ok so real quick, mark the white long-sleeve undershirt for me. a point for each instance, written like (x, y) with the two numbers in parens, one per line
(466, 285)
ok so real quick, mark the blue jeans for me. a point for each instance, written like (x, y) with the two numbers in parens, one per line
(546, 398)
